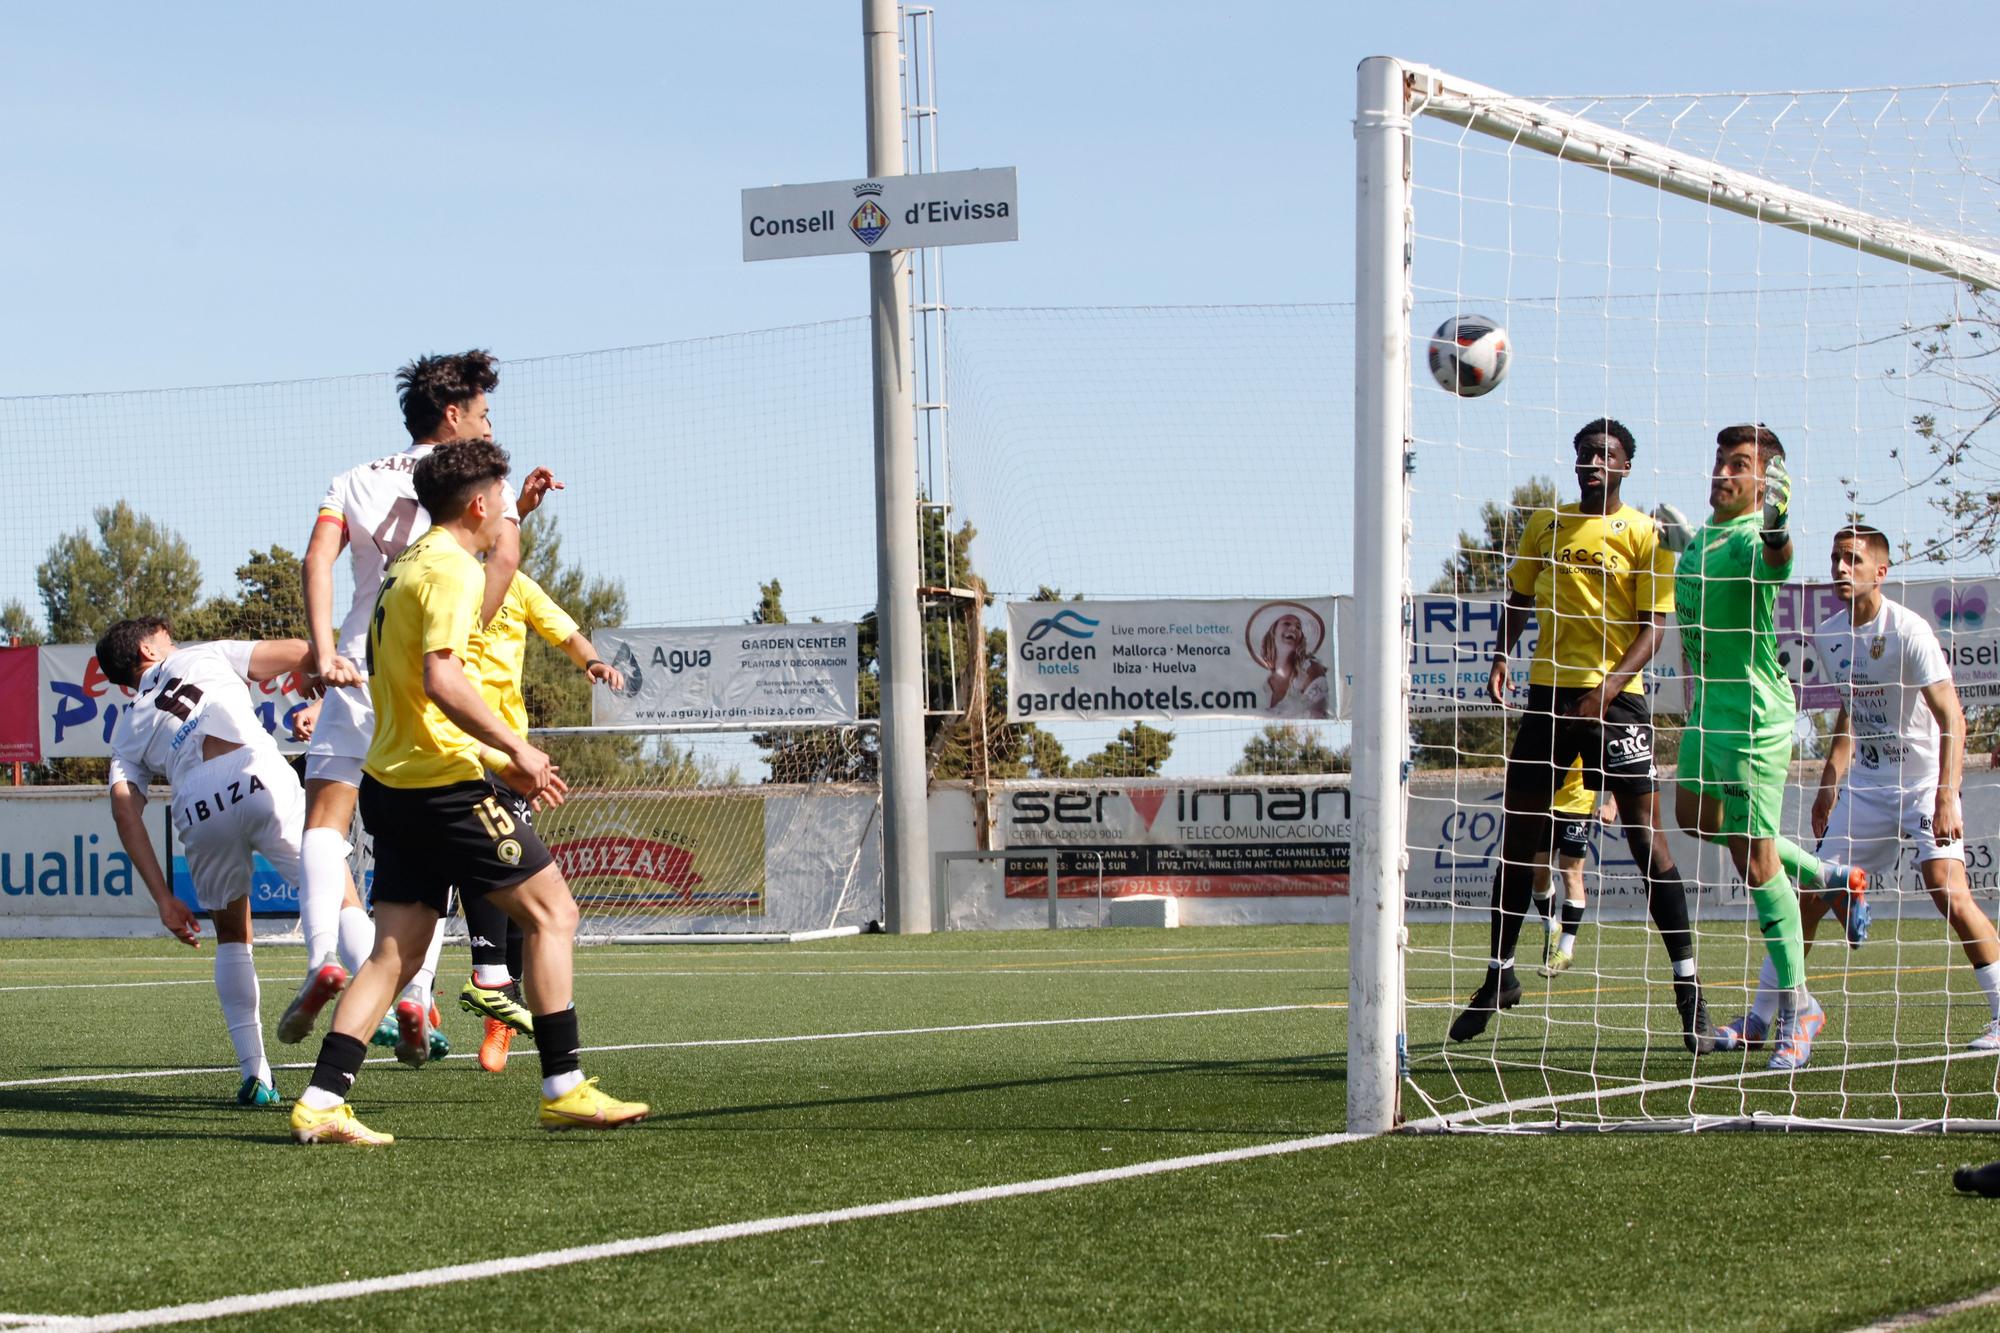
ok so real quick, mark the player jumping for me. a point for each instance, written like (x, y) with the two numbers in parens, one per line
(373, 511)
(498, 657)
(195, 724)
(438, 821)
(1737, 748)
(1609, 598)
(1899, 748)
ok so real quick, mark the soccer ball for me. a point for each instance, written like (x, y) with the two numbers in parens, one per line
(1469, 355)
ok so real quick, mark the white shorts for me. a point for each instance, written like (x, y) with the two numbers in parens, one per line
(1869, 825)
(340, 741)
(239, 803)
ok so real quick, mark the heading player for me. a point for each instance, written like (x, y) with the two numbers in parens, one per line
(1737, 748)
(372, 510)
(1892, 771)
(195, 724)
(1610, 590)
(438, 821)
(498, 656)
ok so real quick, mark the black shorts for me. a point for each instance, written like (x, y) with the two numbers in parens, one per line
(1573, 835)
(1617, 752)
(471, 835)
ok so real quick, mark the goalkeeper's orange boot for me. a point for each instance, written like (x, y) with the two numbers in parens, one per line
(493, 1047)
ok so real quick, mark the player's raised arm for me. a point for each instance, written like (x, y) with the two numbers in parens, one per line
(272, 658)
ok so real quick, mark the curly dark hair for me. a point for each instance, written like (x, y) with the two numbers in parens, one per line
(1766, 440)
(430, 384)
(118, 650)
(1615, 429)
(447, 476)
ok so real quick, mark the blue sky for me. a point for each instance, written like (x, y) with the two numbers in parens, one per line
(235, 194)
(230, 192)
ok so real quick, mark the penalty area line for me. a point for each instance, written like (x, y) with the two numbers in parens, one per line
(257, 1302)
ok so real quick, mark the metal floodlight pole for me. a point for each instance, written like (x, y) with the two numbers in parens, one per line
(1381, 576)
(898, 616)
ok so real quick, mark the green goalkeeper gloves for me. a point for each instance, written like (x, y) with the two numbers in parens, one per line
(1777, 503)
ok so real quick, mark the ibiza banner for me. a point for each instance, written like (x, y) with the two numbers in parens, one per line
(730, 673)
(1116, 661)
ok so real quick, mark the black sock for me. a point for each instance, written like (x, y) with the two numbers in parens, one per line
(1572, 916)
(1666, 899)
(516, 945)
(340, 1058)
(486, 925)
(557, 1043)
(1517, 890)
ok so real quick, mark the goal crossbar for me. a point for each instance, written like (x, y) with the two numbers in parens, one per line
(1545, 129)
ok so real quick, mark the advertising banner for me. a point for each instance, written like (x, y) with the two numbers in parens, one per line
(1453, 640)
(1187, 840)
(77, 708)
(20, 735)
(60, 857)
(1090, 661)
(702, 855)
(730, 673)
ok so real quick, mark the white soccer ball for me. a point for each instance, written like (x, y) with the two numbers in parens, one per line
(1469, 355)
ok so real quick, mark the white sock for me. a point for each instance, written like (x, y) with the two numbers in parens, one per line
(555, 1085)
(319, 1099)
(1989, 981)
(1567, 946)
(419, 988)
(357, 938)
(1766, 1004)
(323, 862)
(236, 987)
(493, 976)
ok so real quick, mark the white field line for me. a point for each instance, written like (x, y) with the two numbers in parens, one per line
(779, 974)
(1616, 1092)
(121, 1075)
(619, 1249)
(1930, 1314)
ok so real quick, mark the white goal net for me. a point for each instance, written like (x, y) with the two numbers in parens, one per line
(1819, 263)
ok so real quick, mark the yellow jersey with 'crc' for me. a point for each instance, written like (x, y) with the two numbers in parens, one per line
(499, 651)
(1608, 574)
(429, 603)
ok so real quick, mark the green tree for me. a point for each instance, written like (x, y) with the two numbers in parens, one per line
(1479, 566)
(1285, 748)
(1139, 751)
(17, 625)
(132, 566)
(269, 603)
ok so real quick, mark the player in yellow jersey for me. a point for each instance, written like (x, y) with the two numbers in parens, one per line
(436, 818)
(1611, 592)
(499, 655)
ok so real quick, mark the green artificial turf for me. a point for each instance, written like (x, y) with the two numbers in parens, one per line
(136, 1193)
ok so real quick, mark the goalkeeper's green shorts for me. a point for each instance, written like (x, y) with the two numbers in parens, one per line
(1745, 771)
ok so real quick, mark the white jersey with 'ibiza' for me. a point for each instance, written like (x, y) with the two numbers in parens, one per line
(376, 503)
(200, 690)
(1881, 668)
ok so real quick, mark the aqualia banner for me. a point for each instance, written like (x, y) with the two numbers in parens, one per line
(730, 673)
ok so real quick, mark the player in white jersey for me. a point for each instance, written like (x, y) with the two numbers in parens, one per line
(1892, 771)
(195, 725)
(372, 510)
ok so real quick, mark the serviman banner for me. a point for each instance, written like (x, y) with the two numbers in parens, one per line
(1085, 661)
(730, 673)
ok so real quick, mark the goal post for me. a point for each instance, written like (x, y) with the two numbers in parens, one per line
(1683, 263)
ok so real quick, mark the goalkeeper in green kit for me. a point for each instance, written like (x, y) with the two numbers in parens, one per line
(1737, 750)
